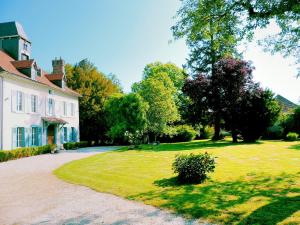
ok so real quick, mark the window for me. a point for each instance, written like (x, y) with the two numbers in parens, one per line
(25, 46)
(24, 57)
(35, 136)
(20, 101)
(20, 137)
(34, 102)
(50, 106)
(73, 130)
(64, 108)
(72, 109)
(65, 134)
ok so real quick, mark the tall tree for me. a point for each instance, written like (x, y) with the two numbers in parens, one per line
(238, 99)
(197, 91)
(176, 74)
(158, 91)
(253, 14)
(209, 38)
(232, 78)
(257, 111)
(286, 14)
(95, 88)
(125, 113)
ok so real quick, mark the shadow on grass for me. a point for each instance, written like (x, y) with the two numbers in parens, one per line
(230, 202)
(181, 146)
(296, 147)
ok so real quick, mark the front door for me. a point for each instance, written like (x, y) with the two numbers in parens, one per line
(51, 134)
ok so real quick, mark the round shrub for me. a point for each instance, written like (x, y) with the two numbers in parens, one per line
(291, 136)
(193, 168)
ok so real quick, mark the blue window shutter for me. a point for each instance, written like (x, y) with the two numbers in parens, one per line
(75, 135)
(40, 136)
(62, 135)
(23, 137)
(14, 137)
(70, 134)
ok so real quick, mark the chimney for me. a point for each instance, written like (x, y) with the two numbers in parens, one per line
(58, 66)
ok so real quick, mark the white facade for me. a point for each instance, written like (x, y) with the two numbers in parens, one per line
(32, 113)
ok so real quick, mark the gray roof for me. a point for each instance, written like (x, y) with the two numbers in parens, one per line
(12, 29)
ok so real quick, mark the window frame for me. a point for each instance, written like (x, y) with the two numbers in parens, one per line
(65, 108)
(20, 137)
(20, 107)
(50, 108)
(72, 109)
(34, 136)
(34, 103)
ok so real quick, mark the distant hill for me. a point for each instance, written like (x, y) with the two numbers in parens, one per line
(285, 104)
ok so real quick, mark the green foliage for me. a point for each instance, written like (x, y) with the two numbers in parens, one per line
(221, 24)
(25, 152)
(95, 87)
(185, 133)
(206, 132)
(180, 133)
(125, 113)
(135, 139)
(258, 111)
(193, 168)
(209, 38)
(274, 132)
(291, 136)
(291, 123)
(176, 74)
(158, 92)
(75, 145)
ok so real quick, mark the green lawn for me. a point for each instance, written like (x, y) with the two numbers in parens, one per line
(253, 183)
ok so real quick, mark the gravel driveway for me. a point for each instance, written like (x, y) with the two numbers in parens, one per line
(31, 194)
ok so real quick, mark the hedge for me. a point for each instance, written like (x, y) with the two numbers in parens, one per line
(292, 136)
(75, 145)
(25, 152)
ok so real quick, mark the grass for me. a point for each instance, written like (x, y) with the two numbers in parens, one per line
(253, 183)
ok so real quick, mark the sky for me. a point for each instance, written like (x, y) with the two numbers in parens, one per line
(122, 36)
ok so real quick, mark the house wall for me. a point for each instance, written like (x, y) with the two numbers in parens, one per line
(1, 111)
(27, 119)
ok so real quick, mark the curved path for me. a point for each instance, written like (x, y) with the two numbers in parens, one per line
(31, 194)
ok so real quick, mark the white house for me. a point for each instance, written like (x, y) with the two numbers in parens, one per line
(36, 108)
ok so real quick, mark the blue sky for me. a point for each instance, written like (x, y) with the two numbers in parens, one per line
(121, 37)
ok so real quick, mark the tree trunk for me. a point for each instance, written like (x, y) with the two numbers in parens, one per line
(217, 128)
(234, 136)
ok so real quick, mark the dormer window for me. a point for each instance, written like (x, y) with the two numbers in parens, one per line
(24, 56)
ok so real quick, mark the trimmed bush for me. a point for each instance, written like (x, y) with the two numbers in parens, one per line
(193, 168)
(75, 145)
(83, 144)
(181, 133)
(185, 133)
(70, 145)
(25, 152)
(291, 136)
